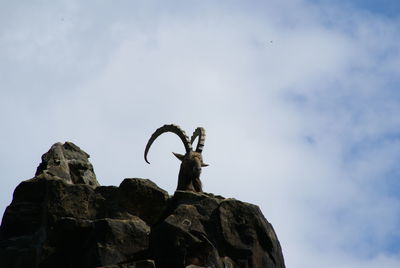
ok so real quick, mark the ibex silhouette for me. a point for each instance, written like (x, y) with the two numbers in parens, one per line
(191, 161)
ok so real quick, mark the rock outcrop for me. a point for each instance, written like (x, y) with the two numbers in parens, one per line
(64, 218)
(68, 162)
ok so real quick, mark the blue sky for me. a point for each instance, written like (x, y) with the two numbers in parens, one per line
(299, 99)
(384, 8)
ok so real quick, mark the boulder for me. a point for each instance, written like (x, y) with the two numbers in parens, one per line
(68, 162)
(210, 231)
(143, 198)
(63, 218)
(93, 243)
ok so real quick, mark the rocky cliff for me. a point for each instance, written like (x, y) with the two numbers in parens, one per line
(63, 218)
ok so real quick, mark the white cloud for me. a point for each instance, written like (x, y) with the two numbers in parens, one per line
(298, 103)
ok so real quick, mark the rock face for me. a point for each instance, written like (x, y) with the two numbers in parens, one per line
(63, 218)
(68, 162)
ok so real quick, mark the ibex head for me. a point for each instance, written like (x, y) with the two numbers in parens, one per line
(192, 161)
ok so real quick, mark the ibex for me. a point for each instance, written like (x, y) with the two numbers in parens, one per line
(192, 161)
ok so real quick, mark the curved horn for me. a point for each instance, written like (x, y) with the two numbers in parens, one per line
(201, 133)
(168, 128)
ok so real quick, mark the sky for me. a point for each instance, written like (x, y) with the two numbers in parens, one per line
(299, 99)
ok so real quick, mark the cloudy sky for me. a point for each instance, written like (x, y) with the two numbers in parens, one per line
(299, 98)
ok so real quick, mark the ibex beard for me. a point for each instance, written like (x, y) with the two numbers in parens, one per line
(189, 173)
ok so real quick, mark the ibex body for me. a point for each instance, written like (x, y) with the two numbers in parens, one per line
(191, 161)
